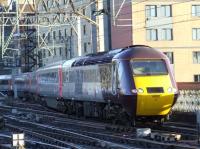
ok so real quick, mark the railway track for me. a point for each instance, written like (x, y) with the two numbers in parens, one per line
(100, 140)
(60, 136)
(45, 126)
(6, 139)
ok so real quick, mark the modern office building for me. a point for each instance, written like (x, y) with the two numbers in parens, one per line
(174, 28)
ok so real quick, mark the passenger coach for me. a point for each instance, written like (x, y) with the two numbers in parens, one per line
(5, 83)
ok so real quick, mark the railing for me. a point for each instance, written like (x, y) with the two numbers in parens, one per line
(188, 101)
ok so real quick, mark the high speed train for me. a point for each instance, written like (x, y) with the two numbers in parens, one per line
(5, 84)
(133, 83)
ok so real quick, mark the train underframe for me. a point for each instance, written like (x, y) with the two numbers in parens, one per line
(111, 112)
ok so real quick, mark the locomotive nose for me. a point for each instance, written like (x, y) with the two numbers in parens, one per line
(154, 96)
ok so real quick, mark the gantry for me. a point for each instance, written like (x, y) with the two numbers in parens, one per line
(26, 17)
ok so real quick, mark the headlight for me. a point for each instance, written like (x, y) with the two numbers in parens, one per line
(137, 91)
(140, 90)
(170, 90)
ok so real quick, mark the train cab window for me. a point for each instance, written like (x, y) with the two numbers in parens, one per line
(149, 67)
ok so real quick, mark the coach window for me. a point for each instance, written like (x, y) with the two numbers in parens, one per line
(67, 76)
(4, 82)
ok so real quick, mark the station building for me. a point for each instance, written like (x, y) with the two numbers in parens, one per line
(174, 28)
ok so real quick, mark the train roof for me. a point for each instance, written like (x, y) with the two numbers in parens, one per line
(96, 58)
(52, 65)
(5, 77)
(140, 52)
(135, 51)
(69, 63)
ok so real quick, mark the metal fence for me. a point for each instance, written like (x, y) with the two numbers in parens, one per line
(188, 101)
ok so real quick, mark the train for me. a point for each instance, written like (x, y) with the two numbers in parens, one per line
(130, 84)
(6, 84)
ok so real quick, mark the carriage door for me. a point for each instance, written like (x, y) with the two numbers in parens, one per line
(114, 78)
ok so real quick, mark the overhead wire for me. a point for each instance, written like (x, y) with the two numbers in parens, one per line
(124, 31)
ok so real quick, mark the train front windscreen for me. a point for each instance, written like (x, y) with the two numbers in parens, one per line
(149, 67)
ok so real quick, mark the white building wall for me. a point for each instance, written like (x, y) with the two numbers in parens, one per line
(68, 43)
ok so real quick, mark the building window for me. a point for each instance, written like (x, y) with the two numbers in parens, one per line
(71, 31)
(60, 51)
(65, 1)
(60, 34)
(197, 78)
(196, 57)
(85, 47)
(54, 34)
(44, 53)
(166, 11)
(83, 11)
(65, 33)
(43, 36)
(167, 34)
(48, 3)
(196, 10)
(49, 36)
(49, 53)
(84, 29)
(151, 11)
(196, 33)
(170, 55)
(54, 50)
(152, 34)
